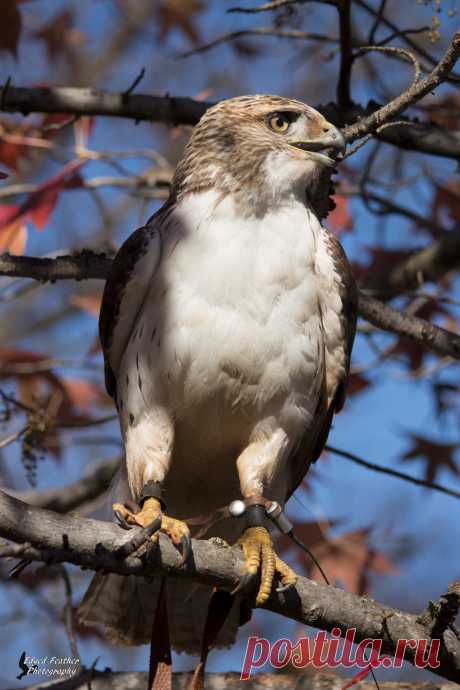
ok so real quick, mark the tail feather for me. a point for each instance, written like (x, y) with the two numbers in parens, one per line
(124, 606)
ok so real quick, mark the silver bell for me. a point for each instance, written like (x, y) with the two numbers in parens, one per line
(237, 508)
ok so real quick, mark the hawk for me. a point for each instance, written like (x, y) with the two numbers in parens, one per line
(227, 324)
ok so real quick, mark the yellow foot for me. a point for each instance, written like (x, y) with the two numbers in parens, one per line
(259, 554)
(177, 530)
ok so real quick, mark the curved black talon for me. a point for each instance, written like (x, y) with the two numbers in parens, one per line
(284, 588)
(121, 521)
(246, 584)
(186, 548)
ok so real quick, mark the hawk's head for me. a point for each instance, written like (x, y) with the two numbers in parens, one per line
(260, 148)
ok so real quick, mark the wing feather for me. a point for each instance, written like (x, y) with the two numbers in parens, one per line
(127, 286)
(334, 390)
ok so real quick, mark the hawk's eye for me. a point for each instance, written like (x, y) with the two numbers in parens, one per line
(279, 123)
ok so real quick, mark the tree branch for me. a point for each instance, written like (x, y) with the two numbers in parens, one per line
(73, 496)
(392, 472)
(42, 535)
(424, 137)
(106, 680)
(81, 266)
(416, 92)
(387, 318)
(89, 265)
(343, 87)
(427, 265)
(75, 101)
(259, 31)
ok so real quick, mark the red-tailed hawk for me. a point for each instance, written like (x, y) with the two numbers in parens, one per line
(227, 325)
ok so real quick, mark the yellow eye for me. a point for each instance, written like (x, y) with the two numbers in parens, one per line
(279, 124)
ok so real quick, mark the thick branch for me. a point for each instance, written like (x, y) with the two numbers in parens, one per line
(184, 111)
(99, 680)
(81, 266)
(424, 137)
(50, 537)
(89, 265)
(387, 318)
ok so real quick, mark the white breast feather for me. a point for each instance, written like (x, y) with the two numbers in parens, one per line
(230, 334)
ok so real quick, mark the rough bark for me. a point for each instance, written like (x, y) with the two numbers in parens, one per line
(42, 535)
(229, 681)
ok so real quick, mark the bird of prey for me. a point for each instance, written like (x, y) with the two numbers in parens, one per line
(227, 324)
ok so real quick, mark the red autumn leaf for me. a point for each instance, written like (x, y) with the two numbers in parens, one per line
(39, 204)
(83, 394)
(357, 383)
(11, 152)
(340, 218)
(10, 27)
(13, 239)
(436, 456)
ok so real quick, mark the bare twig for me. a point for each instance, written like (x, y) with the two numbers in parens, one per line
(276, 4)
(260, 31)
(393, 473)
(8, 440)
(418, 90)
(377, 20)
(346, 60)
(393, 52)
(408, 41)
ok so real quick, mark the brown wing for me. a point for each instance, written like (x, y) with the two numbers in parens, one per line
(125, 291)
(314, 440)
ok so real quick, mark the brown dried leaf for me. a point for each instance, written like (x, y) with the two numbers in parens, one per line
(179, 14)
(59, 33)
(437, 456)
(349, 559)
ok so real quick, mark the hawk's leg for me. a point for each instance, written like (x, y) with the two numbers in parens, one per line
(260, 558)
(151, 510)
(263, 464)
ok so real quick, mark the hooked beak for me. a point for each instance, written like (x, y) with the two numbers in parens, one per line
(331, 144)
